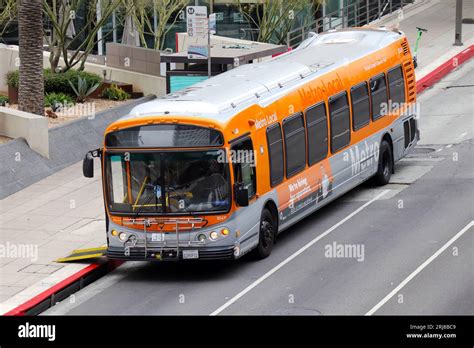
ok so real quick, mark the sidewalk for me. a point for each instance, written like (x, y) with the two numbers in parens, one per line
(65, 211)
(42, 223)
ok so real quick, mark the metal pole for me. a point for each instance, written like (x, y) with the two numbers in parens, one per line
(209, 64)
(100, 49)
(114, 25)
(458, 32)
(367, 11)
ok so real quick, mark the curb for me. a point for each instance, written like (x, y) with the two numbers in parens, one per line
(64, 289)
(444, 69)
(89, 274)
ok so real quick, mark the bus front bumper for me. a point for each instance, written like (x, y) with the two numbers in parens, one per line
(170, 254)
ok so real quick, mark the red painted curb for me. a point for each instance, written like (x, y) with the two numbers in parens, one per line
(444, 69)
(33, 302)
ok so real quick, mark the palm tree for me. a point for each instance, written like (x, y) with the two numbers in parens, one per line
(30, 28)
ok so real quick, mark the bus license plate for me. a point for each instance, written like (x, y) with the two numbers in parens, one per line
(157, 237)
(190, 254)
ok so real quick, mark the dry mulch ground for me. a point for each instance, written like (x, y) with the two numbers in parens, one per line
(4, 139)
(90, 107)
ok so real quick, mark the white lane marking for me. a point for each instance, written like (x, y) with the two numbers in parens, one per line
(291, 257)
(462, 135)
(419, 269)
(448, 146)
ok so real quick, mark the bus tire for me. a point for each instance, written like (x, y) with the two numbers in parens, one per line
(266, 235)
(385, 165)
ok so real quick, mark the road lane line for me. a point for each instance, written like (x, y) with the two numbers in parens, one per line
(419, 269)
(291, 257)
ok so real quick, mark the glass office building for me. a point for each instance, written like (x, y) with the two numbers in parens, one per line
(232, 23)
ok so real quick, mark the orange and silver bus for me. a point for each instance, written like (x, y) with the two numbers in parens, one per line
(218, 169)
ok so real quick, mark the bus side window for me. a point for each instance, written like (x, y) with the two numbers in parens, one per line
(295, 144)
(275, 153)
(360, 106)
(378, 95)
(396, 85)
(317, 128)
(340, 122)
(243, 161)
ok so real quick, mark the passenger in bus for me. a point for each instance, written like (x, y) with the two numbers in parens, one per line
(211, 189)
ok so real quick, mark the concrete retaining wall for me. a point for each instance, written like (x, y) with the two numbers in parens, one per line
(33, 128)
(68, 143)
(131, 58)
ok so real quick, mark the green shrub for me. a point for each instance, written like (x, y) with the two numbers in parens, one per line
(83, 90)
(57, 100)
(13, 78)
(3, 100)
(115, 93)
(58, 82)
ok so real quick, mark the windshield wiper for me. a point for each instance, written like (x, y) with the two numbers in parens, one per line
(148, 199)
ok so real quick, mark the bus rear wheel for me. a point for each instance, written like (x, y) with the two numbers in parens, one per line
(385, 165)
(266, 238)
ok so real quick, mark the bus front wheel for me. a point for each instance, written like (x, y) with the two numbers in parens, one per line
(385, 165)
(266, 235)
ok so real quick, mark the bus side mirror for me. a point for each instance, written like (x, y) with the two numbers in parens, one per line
(88, 165)
(241, 195)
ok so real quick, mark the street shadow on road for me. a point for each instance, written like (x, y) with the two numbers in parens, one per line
(288, 242)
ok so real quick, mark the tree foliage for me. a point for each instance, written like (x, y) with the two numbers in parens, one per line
(142, 12)
(8, 13)
(275, 18)
(74, 50)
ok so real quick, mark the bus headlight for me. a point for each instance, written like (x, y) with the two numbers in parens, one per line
(114, 233)
(213, 235)
(122, 236)
(202, 238)
(225, 231)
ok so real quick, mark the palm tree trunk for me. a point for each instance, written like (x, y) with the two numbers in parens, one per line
(31, 85)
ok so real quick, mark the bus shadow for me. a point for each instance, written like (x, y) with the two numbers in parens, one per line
(185, 271)
(215, 270)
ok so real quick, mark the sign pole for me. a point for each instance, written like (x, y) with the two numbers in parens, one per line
(209, 63)
(458, 25)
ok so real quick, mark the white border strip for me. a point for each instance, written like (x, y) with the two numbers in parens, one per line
(419, 269)
(290, 258)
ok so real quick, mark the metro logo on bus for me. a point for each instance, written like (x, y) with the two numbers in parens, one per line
(320, 92)
(362, 156)
(266, 121)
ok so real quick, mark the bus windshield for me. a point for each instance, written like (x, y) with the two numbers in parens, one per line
(168, 182)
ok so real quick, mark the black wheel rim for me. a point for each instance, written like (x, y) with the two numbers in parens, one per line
(266, 229)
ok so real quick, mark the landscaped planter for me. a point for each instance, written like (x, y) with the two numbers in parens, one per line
(106, 84)
(13, 95)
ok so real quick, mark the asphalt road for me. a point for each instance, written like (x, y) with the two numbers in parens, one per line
(412, 242)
